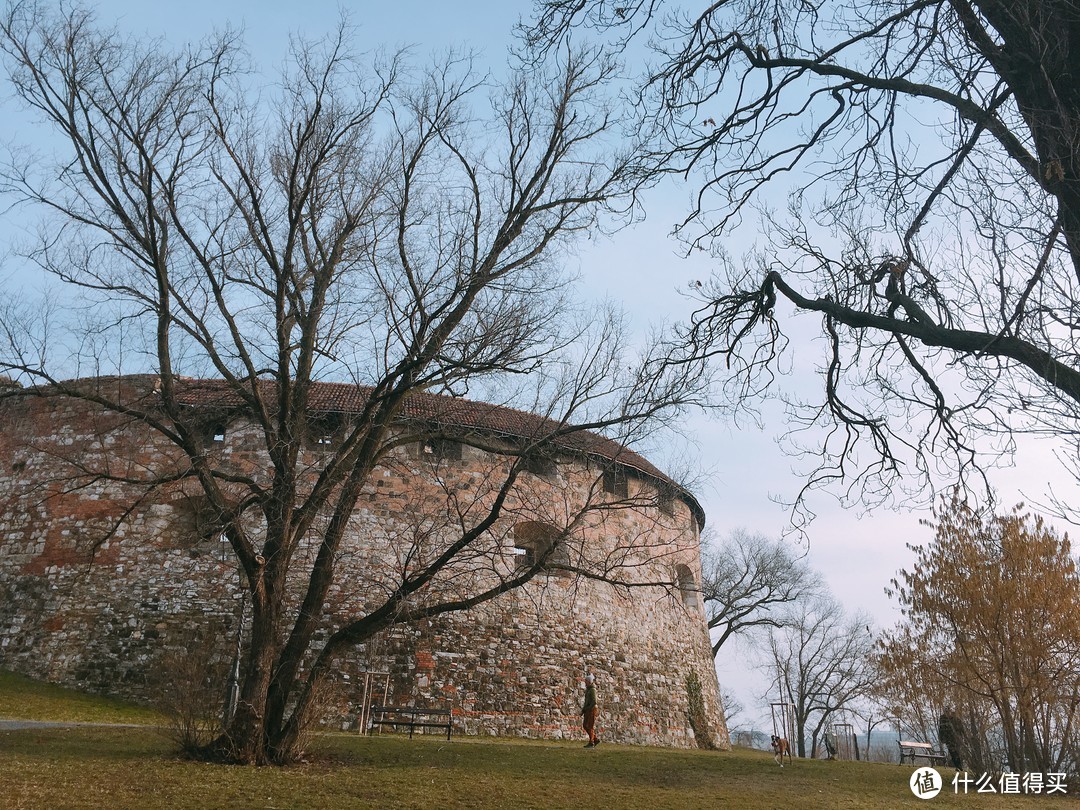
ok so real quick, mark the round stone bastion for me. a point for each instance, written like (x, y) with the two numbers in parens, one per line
(114, 588)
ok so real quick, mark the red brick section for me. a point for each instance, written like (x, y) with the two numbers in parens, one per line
(425, 661)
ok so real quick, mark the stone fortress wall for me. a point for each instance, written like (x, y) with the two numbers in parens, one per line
(103, 593)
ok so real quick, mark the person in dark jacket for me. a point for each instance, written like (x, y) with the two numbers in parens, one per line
(589, 710)
(951, 735)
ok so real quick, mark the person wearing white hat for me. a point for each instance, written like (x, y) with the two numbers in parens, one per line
(589, 710)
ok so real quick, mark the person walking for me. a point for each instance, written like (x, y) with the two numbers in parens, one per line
(589, 711)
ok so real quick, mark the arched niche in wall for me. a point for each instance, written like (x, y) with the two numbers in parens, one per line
(688, 587)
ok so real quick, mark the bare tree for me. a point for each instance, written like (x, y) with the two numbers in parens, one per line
(748, 581)
(821, 662)
(935, 222)
(363, 223)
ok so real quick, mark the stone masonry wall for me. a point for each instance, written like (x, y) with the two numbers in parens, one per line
(97, 589)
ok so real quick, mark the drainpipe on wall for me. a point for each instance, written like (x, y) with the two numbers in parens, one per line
(232, 689)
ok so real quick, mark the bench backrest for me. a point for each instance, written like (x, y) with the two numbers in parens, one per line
(413, 710)
(920, 745)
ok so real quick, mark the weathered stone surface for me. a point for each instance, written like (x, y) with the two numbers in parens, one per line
(96, 594)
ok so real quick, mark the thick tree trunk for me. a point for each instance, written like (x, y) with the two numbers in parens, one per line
(245, 739)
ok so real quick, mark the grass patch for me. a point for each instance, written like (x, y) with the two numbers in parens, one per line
(26, 699)
(122, 768)
(95, 766)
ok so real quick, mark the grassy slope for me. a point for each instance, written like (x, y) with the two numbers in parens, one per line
(96, 767)
(26, 699)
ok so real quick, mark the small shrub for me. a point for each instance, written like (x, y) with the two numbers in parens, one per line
(326, 700)
(191, 688)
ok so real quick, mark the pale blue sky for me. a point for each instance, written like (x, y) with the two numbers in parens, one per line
(639, 268)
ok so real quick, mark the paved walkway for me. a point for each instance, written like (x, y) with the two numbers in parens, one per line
(8, 724)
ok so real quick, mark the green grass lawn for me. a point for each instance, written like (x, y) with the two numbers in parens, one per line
(135, 767)
(34, 700)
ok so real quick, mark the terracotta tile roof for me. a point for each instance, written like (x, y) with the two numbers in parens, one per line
(453, 412)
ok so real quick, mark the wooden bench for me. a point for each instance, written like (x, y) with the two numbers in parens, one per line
(910, 751)
(413, 717)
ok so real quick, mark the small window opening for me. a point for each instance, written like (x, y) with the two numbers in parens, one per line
(324, 433)
(615, 482)
(534, 541)
(665, 499)
(212, 433)
(441, 449)
(543, 466)
(201, 527)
